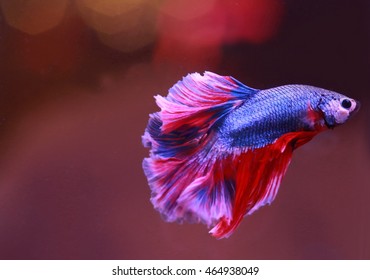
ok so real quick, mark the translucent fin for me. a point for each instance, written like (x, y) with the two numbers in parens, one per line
(199, 100)
(189, 112)
(259, 174)
(186, 175)
(194, 190)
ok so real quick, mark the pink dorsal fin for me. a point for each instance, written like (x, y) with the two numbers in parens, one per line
(198, 100)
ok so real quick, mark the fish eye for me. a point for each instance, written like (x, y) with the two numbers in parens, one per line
(346, 103)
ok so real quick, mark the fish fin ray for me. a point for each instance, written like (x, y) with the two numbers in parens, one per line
(258, 178)
(200, 100)
(190, 111)
(195, 190)
(185, 173)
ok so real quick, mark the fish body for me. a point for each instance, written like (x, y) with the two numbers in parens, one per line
(271, 113)
(219, 149)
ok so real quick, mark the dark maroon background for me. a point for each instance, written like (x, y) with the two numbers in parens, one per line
(72, 112)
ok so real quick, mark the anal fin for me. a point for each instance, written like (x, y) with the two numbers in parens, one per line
(258, 176)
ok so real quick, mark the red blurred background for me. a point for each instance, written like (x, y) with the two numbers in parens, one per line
(77, 80)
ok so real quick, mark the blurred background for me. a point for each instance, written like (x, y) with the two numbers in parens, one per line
(77, 80)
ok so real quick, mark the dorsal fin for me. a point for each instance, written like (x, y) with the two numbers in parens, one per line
(209, 95)
(190, 109)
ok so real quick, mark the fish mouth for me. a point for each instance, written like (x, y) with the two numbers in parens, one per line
(355, 109)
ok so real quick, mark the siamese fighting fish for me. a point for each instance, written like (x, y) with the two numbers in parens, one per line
(219, 149)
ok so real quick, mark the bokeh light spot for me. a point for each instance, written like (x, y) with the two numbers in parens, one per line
(198, 29)
(33, 16)
(122, 25)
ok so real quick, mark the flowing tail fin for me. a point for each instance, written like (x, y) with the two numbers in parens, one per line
(187, 179)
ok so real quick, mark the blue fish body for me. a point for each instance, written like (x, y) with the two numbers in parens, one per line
(271, 113)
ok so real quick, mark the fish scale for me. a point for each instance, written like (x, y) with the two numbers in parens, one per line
(271, 113)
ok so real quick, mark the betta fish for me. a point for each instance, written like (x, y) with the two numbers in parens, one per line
(219, 149)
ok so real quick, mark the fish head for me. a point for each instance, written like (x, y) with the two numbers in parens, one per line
(336, 108)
